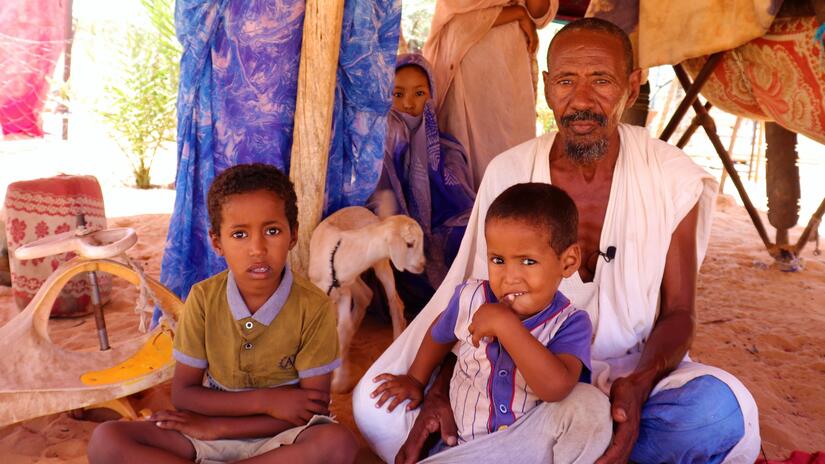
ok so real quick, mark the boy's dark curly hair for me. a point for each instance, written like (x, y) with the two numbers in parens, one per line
(541, 205)
(245, 178)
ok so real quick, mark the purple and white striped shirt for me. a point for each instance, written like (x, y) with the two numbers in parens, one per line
(487, 391)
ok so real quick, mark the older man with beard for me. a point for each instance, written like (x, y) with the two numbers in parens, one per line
(644, 224)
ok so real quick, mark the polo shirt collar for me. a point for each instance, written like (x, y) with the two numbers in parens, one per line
(559, 303)
(269, 310)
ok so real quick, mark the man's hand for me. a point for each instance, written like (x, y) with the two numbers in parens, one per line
(399, 388)
(194, 425)
(436, 415)
(296, 405)
(627, 396)
(488, 320)
(529, 28)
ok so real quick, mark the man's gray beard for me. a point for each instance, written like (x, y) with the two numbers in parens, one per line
(586, 153)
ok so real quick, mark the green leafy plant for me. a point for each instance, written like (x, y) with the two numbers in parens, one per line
(415, 23)
(140, 103)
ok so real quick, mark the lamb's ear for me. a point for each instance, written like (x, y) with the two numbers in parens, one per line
(398, 250)
(408, 234)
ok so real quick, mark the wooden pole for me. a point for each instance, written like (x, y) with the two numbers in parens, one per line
(727, 162)
(753, 150)
(760, 149)
(671, 93)
(730, 152)
(692, 128)
(691, 94)
(68, 35)
(313, 118)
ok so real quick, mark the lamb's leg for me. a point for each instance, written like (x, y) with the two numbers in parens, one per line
(361, 298)
(383, 270)
(342, 299)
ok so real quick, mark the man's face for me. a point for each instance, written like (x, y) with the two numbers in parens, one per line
(588, 88)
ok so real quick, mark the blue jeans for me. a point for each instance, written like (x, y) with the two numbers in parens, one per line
(699, 422)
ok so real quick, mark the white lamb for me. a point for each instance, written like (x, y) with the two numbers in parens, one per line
(349, 242)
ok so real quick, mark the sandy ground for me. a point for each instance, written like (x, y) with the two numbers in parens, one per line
(765, 326)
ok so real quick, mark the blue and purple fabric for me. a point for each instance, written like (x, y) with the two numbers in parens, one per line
(487, 391)
(236, 104)
(425, 176)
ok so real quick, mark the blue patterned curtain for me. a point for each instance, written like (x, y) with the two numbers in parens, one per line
(236, 104)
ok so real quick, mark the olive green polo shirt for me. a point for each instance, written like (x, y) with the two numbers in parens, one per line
(292, 336)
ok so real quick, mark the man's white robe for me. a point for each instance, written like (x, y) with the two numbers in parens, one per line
(655, 185)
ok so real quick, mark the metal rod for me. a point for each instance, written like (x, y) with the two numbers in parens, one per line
(708, 125)
(100, 321)
(102, 334)
(691, 93)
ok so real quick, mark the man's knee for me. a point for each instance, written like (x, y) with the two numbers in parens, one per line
(698, 422)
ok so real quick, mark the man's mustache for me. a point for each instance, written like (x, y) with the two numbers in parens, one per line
(585, 115)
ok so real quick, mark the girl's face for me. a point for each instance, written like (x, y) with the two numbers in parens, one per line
(412, 90)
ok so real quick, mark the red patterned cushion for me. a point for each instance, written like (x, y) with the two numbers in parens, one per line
(43, 207)
(778, 77)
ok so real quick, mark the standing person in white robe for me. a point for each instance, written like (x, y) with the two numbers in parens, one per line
(646, 206)
(483, 53)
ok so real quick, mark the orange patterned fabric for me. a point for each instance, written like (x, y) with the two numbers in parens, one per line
(779, 77)
(43, 207)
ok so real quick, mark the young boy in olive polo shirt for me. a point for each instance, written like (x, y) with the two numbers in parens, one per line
(255, 345)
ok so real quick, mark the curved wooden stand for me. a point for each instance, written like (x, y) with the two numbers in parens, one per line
(98, 244)
(40, 378)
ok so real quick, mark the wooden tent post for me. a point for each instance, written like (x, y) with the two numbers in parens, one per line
(313, 118)
(710, 129)
(68, 36)
(730, 152)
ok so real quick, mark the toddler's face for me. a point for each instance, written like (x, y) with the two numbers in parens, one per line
(255, 239)
(412, 90)
(523, 267)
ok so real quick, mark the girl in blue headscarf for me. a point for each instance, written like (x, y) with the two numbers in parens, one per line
(425, 176)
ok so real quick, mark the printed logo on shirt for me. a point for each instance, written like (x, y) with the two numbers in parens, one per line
(287, 362)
